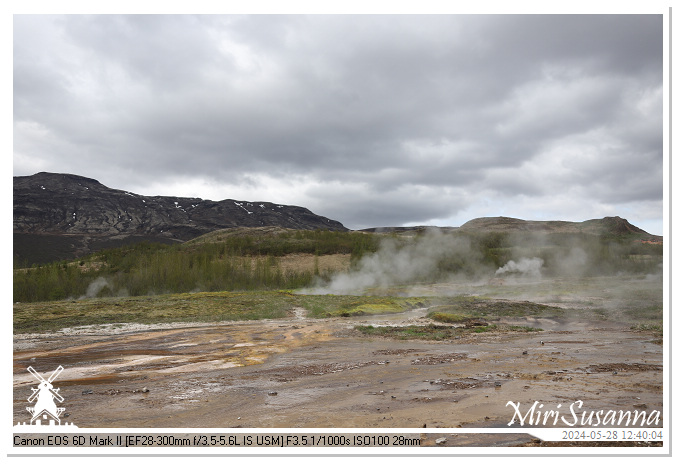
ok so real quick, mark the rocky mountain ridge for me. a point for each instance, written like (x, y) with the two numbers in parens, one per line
(70, 212)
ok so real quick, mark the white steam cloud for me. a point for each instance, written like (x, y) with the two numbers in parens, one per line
(434, 256)
(528, 267)
(96, 286)
(100, 283)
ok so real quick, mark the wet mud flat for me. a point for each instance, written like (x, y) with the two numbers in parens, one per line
(301, 372)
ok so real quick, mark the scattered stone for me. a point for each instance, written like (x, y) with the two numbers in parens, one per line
(440, 440)
(145, 390)
(87, 392)
(272, 393)
(525, 352)
(640, 405)
(498, 384)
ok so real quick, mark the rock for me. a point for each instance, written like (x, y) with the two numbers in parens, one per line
(87, 392)
(440, 440)
(272, 393)
(145, 390)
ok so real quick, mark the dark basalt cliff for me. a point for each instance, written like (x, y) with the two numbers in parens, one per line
(71, 215)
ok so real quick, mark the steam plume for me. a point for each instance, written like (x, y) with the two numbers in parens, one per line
(529, 267)
(435, 256)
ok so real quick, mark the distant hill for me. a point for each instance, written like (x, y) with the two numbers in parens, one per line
(610, 226)
(60, 216)
(411, 230)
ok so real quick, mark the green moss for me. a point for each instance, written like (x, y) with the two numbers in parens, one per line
(460, 307)
(196, 307)
(449, 317)
(181, 307)
(428, 332)
(435, 332)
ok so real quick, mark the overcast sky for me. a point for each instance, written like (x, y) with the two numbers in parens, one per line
(369, 120)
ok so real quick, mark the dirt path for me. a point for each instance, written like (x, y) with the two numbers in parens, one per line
(301, 372)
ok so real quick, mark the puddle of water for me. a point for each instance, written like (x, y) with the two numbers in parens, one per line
(204, 366)
(407, 317)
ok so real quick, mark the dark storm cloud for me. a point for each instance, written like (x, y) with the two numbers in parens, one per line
(371, 120)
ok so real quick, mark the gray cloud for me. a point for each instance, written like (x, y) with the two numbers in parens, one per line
(372, 120)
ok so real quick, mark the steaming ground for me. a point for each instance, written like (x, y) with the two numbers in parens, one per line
(98, 285)
(526, 267)
(451, 265)
(398, 263)
(304, 372)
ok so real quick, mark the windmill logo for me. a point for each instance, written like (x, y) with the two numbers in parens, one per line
(45, 408)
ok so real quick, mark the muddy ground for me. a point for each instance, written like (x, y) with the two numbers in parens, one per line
(302, 372)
